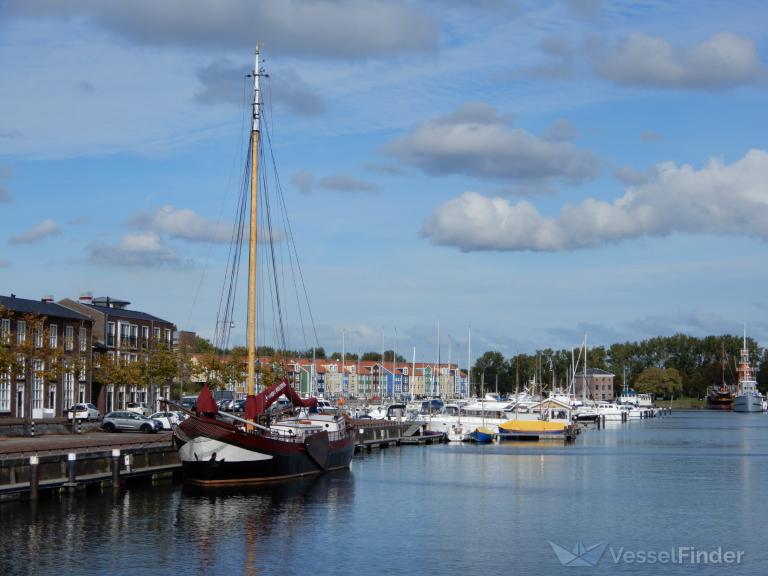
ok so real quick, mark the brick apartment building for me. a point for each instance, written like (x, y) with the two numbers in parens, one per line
(45, 358)
(130, 335)
(599, 385)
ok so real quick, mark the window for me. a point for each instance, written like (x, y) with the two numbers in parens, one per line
(68, 389)
(5, 330)
(83, 336)
(156, 334)
(111, 334)
(53, 332)
(21, 332)
(69, 338)
(168, 336)
(144, 336)
(123, 333)
(134, 334)
(5, 392)
(37, 384)
(21, 362)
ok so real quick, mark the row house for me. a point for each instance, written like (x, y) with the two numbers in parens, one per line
(358, 379)
(129, 336)
(371, 379)
(45, 358)
(599, 385)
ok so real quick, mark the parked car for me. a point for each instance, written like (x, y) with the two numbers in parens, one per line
(83, 412)
(138, 408)
(227, 405)
(130, 421)
(189, 402)
(168, 419)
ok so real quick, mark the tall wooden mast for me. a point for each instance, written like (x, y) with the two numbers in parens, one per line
(253, 227)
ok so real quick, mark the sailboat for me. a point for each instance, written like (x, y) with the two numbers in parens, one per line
(218, 448)
(720, 397)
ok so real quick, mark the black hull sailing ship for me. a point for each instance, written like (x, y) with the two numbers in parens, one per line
(223, 449)
(218, 448)
(720, 398)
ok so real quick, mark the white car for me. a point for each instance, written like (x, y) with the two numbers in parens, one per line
(168, 419)
(84, 412)
(138, 408)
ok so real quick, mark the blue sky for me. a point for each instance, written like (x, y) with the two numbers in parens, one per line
(536, 171)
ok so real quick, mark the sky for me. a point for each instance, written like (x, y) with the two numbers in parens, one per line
(530, 171)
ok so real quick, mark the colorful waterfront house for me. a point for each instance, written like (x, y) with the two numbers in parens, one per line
(46, 358)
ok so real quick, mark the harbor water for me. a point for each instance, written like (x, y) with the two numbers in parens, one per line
(683, 494)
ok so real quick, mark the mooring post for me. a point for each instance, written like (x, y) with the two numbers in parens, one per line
(71, 469)
(116, 468)
(34, 477)
(32, 428)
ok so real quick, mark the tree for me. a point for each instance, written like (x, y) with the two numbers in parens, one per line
(662, 383)
(371, 357)
(203, 345)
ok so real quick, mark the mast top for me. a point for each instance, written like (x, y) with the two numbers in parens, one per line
(256, 94)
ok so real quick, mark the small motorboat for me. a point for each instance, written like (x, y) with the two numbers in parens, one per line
(482, 435)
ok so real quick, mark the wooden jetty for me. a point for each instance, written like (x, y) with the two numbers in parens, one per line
(97, 460)
(371, 433)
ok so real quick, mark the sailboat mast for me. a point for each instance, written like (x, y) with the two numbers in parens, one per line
(251, 388)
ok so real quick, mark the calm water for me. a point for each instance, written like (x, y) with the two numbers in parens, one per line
(693, 479)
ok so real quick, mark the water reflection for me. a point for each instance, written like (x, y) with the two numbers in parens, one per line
(165, 529)
(690, 479)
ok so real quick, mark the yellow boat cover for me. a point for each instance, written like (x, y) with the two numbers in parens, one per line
(485, 430)
(531, 426)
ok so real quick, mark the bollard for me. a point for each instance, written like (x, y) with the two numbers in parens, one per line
(116, 468)
(127, 460)
(77, 425)
(71, 471)
(34, 477)
(32, 428)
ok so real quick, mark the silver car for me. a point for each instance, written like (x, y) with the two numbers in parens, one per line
(129, 421)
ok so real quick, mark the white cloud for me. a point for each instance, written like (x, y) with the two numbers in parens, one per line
(475, 141)
(723, 60)
(43, 230)
(182, 223)
(724, 199)
(146, 249)
(222, 82)
(334, 28)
